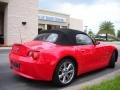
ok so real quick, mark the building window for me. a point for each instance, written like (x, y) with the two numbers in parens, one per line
(49, 27)
(41, 26)
(64, 27)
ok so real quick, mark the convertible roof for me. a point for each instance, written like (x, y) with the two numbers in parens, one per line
(64, 31)
(66, 36)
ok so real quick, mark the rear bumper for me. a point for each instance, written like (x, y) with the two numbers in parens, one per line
(31, 69)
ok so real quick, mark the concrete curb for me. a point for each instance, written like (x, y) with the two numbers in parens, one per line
(94, 81)
(5, 48)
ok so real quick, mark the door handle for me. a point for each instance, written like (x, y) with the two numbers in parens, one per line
(82, 50)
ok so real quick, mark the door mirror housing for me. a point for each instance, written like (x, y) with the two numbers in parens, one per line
(97, 43)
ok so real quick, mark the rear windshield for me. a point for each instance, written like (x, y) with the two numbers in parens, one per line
(47, 37)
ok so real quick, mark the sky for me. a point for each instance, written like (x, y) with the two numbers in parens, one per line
(92, 12)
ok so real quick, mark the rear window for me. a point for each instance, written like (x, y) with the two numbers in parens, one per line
(47, 37)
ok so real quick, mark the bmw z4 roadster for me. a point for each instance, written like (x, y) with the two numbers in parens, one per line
(60, 56)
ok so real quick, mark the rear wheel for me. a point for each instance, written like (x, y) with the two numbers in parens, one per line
(64, 73)
(112, 60)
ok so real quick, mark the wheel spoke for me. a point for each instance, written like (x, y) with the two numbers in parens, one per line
(69, 66)
(64, 79)
(68, 77)
(61, 75)
(71, 71)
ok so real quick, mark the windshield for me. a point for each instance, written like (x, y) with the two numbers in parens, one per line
(48, 37)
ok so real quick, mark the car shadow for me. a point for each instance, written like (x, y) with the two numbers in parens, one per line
(49, 85)
(44, 85)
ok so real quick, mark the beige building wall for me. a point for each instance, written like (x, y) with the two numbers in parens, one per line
(76, 24)
(4, 1)
(16, 12)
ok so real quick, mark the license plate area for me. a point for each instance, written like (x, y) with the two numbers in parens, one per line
(16, 65)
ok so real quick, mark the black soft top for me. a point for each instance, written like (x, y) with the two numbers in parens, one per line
(65, 36)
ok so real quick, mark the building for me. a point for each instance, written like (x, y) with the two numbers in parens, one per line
(52, 20)
(20, 21)
(76, 24)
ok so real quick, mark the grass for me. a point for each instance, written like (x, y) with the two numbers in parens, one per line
(113, 84)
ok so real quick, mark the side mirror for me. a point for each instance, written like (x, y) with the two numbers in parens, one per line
(97, 43)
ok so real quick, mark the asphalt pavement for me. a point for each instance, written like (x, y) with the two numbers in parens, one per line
(11, 81)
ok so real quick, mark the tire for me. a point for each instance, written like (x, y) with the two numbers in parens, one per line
(65, 73)
(112, 60)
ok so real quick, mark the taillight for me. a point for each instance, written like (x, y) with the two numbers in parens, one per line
(34, 54)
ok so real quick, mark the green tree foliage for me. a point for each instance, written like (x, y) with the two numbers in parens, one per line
(107, 27)
(118, 34)
(90, 33)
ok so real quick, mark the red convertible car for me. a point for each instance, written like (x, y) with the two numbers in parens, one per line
(60, 56)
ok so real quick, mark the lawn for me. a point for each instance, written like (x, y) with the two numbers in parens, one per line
(113, 84)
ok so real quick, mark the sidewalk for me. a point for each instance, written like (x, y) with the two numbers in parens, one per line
(116, 44)
(5, 48)
(94, 81)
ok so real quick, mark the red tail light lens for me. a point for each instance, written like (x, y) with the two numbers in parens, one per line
(20, 49)
(34, 54)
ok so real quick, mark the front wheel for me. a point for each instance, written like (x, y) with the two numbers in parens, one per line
(112, 60)
(64, 73)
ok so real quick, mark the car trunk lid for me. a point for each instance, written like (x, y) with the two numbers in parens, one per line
(23, 49)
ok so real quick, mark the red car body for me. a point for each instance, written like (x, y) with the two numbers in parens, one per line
(47, 56)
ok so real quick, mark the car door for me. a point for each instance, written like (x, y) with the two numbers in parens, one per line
(86, 52)
(102, 54)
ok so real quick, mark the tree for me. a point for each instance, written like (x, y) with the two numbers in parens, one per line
(118, 34)
(90, 33)
(107, 27)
